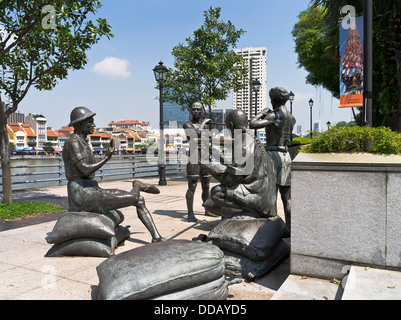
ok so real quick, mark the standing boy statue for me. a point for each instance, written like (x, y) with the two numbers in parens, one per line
(279, 124)
(193, 130)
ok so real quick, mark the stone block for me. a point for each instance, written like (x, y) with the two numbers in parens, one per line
(345, 210)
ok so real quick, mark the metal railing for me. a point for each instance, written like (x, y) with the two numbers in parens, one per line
(35, 172)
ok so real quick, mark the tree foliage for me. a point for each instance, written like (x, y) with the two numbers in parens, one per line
(39, 44)
(32, 54)
(206, 68)
(386, 52)
(316, 52)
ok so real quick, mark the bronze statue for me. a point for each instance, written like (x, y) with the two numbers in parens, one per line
(279, 124)
(84, 193)
(193, 130)
(250, 184)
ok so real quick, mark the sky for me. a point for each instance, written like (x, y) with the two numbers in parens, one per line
(118, 82)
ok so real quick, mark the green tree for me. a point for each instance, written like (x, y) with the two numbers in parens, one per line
(316, 52)
(386, 53)
(342, 124)
(206, 69)
(39, 44)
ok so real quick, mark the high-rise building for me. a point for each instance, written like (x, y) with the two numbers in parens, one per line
(16, 117)
(38, 124)
(317, 126)
(299, 130)
(245, 98)
(219, 116)
(173, 116)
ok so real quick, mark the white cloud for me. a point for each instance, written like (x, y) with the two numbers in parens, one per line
(112, 67)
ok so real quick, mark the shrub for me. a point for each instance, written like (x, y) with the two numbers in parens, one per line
(356, 139)
(300, 141)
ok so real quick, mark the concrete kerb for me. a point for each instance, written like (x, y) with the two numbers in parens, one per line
(25, 273)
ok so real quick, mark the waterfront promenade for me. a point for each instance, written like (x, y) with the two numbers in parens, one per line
(26, 274)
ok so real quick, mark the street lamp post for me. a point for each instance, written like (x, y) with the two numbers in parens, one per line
(256, 88)
(368, 62)
(292, 97)
(328, 125)
(311, 105)
(160, 72)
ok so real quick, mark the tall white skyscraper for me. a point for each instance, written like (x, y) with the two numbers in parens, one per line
(317, 126)
(245, 99)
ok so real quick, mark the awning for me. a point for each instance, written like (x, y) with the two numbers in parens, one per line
(131, 149)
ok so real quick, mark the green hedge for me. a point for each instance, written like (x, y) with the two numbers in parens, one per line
(300, 141)
(356, 139)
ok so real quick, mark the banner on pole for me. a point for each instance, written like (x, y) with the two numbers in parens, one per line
(351, 63)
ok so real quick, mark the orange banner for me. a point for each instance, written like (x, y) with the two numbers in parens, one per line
(351, 63)
(353, 100)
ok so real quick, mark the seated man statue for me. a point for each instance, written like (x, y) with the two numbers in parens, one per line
(84, 194)
(249, 183)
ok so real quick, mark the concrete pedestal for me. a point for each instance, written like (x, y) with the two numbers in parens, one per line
(346, 209)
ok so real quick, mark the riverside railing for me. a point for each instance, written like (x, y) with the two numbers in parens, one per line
(35, 172)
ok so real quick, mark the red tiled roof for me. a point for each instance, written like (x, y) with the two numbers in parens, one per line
(95, 134)
(65, 128)
(52, 134)
(59, 134)
(15, 127)
(29, 132)
(125, 122)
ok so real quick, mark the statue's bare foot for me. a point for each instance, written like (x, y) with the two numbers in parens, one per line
(145, 187)
(161, 239)
(192, 218)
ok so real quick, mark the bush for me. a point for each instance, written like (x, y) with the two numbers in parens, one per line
(300, 141)
(356, 139)
(13, 211)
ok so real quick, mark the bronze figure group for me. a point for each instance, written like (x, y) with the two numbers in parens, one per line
(253, 183)
(249, 181)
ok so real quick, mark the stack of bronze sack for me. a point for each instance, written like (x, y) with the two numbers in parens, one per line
(87, 234)
(171, 270)
(252, 245)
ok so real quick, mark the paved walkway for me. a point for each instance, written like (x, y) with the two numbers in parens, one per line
(26, 274)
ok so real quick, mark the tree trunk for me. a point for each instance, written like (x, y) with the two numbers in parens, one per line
(5, 157)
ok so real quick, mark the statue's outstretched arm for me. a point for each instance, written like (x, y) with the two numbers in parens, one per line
(87, 169)
(262, 119)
